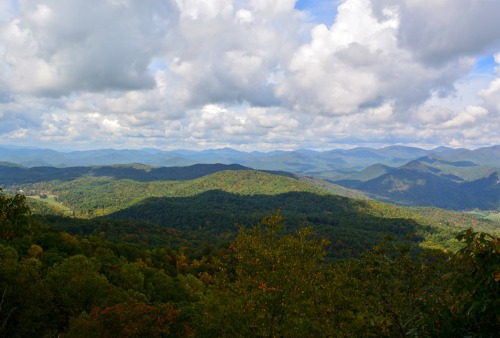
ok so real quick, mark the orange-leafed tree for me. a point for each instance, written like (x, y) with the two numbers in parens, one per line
(135, 319)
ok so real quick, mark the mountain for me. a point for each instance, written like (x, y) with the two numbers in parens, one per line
(425, 183)
(9, 164)
(482, 156)
(370, 172)
(12, 175)
(302, 161)
(208, 201)
(443, 177)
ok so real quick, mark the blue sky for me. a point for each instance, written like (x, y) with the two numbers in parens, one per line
(322, 11)
(251, 75)
(485, 65)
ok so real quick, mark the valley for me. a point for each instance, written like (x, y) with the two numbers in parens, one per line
(196, 244)
(210, 200)
(454, 179)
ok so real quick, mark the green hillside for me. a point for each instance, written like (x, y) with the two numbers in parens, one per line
(110, 283)
(90, 195)
(211, 206)
(430, 182)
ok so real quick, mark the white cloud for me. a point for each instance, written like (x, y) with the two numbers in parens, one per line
(468, 117)
(491, 94)
(200, 73)
(57, 47)
(244, 16)
(440, 31)
(358, 63)
(204, 9)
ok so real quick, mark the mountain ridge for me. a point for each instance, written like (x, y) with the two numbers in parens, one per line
(441, 177)
(357, 158)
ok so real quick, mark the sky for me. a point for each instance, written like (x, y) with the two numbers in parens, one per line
(250, 75)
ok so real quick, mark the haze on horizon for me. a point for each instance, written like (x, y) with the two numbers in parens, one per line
(249, 75)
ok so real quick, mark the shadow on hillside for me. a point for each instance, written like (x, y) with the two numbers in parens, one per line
(10, 176)
(215, 212)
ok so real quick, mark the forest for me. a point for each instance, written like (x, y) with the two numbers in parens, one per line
(70, 277)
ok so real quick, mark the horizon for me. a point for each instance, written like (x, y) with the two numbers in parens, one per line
(252, 76)
(145, 149)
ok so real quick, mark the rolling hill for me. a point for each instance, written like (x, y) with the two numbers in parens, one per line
(455, 179)
(205, 202)
(449, 185)
(299, 161)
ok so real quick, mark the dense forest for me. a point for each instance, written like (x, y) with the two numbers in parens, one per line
(70, 277)
(205, 205)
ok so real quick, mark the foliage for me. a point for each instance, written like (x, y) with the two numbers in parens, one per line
(203, 210)
(128, 320)
(14, 216)
(100, 195)
(271, 282)
(122, 278)
(479, 289)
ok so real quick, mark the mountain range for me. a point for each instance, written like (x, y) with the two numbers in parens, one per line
(298, 161)
(456, 179)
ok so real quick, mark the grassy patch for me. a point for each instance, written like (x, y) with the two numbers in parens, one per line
(494, 217)
(52, 200)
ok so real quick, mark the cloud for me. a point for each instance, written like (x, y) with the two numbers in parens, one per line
(248, 74)
(228, 51)
(358, 63)
(469, 116)
(491, 95)
(7, 10)
(57, 47)
(440, 31)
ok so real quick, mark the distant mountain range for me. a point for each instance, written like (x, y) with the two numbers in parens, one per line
(298, 161)
(457, 179)
(424, 184)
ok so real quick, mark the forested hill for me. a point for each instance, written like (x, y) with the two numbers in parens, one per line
(92, 195)
(442, 184)
(69, 277)
(209, 207)
(102, 189)
(455, 179)
(12, 175)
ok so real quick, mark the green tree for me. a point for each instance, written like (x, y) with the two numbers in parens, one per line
(396, 290)
(15, 215)
(26, 305)
(268, 285)
(78, 286)
(478, 283)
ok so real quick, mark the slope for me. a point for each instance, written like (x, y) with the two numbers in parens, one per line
(99, 195)
(425, 183)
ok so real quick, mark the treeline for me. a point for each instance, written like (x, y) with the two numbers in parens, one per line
(211, 205)
(100, 195)
(266, 282)
(15, 175)
(212, 217)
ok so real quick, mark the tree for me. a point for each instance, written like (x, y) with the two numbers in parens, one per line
(478, 285)
(26, 308)
(129, 320)
(78, 286)
(268, 285)
(15, 215)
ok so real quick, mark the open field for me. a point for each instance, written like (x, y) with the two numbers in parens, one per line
(52, 200)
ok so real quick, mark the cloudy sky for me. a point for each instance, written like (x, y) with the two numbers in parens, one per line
(251, 75)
